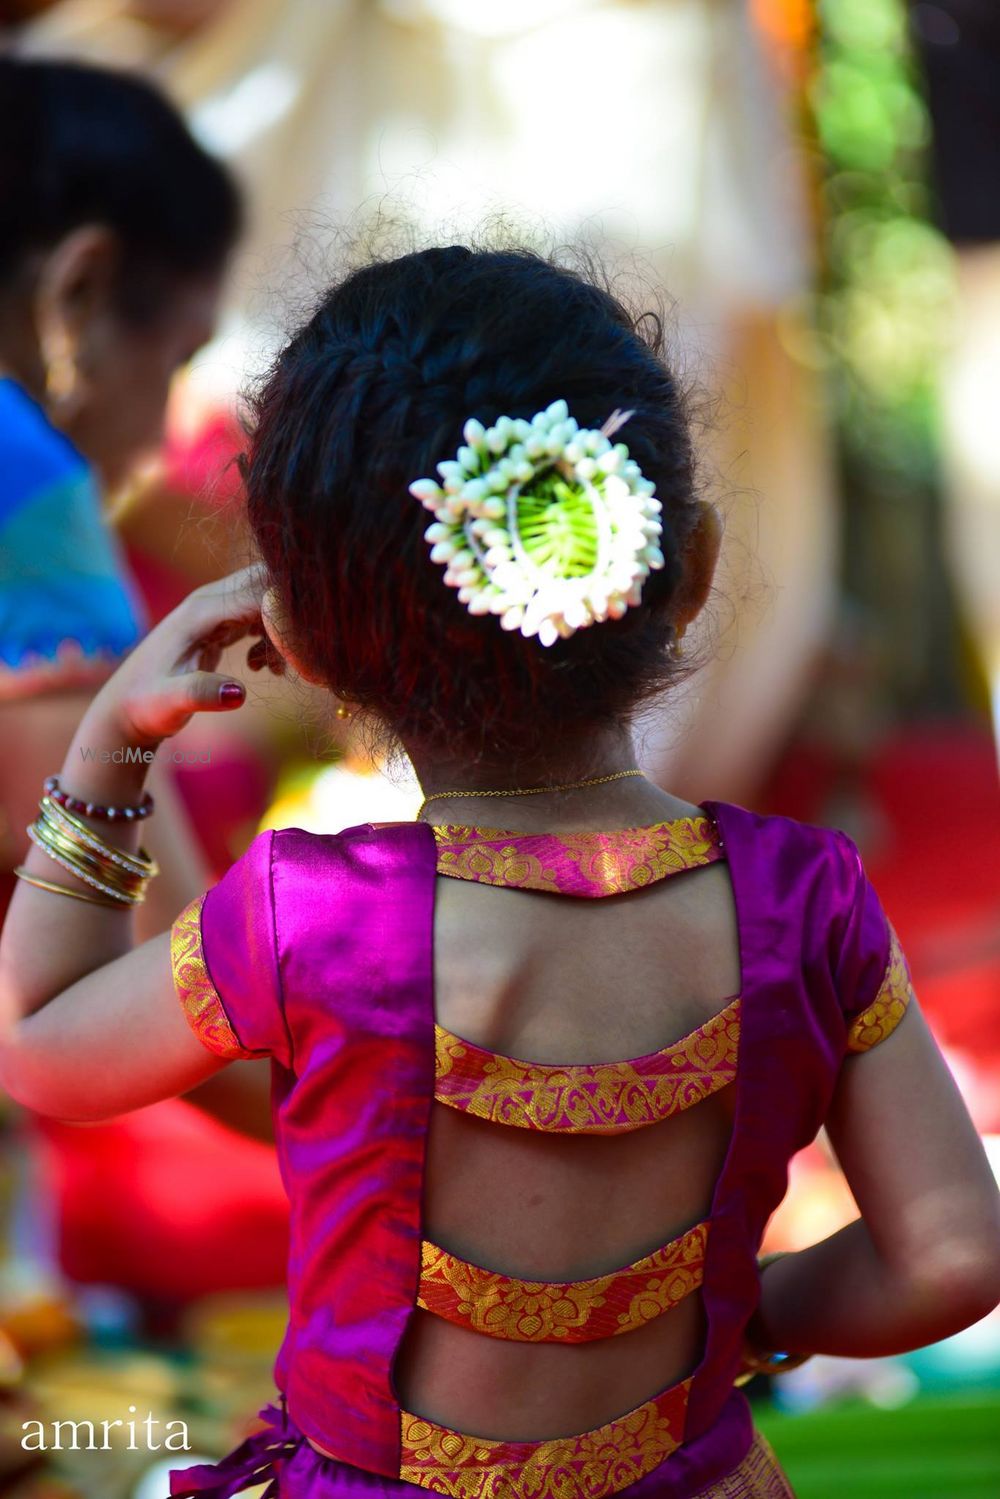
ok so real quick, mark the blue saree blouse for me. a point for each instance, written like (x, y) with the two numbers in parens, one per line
(68, 608)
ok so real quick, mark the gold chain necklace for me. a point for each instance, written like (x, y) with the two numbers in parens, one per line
(617, 775)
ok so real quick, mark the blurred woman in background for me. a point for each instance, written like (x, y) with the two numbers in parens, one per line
(115, 231)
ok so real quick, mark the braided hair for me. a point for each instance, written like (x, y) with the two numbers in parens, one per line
(370, 394)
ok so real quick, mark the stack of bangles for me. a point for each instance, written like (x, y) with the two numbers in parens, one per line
(119, 879)
(776, 1361)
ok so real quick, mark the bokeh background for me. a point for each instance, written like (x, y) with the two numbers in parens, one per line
(812, 191)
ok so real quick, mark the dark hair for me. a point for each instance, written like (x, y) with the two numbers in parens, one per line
(371, 394)
(81, 145)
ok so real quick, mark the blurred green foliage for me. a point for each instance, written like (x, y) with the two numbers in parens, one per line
(885, 296)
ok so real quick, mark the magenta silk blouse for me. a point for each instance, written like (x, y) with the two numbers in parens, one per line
(317, 951)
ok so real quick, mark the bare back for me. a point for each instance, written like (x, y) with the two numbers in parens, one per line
(556, 980)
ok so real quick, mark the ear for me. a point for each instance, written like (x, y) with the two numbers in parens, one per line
(701, 555)
(275, 624)
(74, 293)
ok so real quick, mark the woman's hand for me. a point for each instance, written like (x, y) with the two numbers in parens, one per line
(171, 674)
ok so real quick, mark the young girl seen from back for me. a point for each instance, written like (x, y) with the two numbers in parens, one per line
(540, 1058)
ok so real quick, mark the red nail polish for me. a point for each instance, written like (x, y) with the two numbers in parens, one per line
(231, 693)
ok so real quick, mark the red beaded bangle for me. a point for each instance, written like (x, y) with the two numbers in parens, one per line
(92, 809)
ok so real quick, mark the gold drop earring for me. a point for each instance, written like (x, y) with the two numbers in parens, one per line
(62, 374)
(676, 648)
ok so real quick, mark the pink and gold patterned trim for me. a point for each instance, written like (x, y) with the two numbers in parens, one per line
(582, 864)
(195, 990)
(889, 1005)
(588, 1098)
(758, 1476)
(577, 1311)
(589, 1466)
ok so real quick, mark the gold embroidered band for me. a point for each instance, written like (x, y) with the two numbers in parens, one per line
(758, 1476)
(582, 864)
(595, 1098)
(589, 1466)
(523, 1311)
(889, 1005)
(198, 996)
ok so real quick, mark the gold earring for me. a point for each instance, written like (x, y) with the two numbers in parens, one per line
(343, 711)
(676, 648)
(61, 371)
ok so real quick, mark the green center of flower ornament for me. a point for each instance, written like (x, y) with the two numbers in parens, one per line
(557, 526)
(543, 523)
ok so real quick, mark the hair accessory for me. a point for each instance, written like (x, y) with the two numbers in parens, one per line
(92, 809)
(544, 523)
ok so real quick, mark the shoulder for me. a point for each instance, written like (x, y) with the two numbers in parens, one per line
(296, 916)
(812, 880)
(286, 867)
(793, 850)
(365, 842)
(809, 879)
(356, 866)
(36, 457)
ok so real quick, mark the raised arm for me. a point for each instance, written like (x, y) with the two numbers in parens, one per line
(91, 1023)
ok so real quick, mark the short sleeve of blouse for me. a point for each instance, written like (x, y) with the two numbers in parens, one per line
(223, 953)
(873, 980)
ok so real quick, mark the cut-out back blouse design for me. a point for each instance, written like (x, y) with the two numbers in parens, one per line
(588, 1098)
(340, 895)
(575, 1311)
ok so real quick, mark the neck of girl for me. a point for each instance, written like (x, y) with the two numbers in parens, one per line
(543, 795)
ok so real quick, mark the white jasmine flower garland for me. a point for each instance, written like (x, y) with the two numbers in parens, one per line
(543, 523)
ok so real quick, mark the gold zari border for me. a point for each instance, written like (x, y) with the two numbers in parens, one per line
(590, 1098)
(589, 1466)
(199, 999)
(537, 1311)
(758, 1476)
(889, 1005)
(592, 864)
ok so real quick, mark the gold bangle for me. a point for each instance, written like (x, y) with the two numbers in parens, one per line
(92, 900)
(141, 864)
(69, 844)
(771, 1364)
(89, 857)
(774, 1361)
(83, 861)
(41, 837)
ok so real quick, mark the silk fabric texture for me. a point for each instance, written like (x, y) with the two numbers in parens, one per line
(321, 952)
